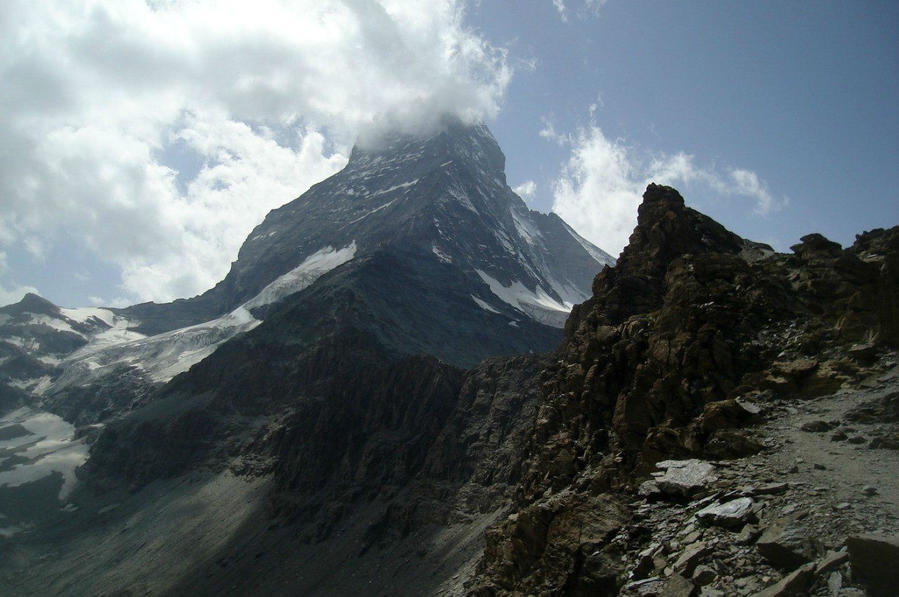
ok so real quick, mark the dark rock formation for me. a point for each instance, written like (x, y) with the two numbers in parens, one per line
(690, 321)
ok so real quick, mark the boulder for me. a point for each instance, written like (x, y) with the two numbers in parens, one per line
(874, 562)
(678, 586)
(731, 515)
(690, 558)
(795, 583)
(785, 544)
(684, 477)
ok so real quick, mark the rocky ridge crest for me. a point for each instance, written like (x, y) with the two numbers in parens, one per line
(690, 338)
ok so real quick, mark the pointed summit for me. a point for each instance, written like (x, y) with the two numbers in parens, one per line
(443, 196)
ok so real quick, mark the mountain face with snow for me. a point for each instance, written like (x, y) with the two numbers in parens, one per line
(414, 261)
(444, 196)
(430, 222)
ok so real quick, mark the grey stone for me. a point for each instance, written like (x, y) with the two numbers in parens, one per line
(704, 575)
(690, 558)
(732, 515)
(748, 534)
(678, 586)
(831, 561)
(785, 544)
(875, 562)
(684, 477)
(817, 426)
(771, 489)
(751, 408)
(795, 583)
(834, 583)
(869, 490)
(649, 489)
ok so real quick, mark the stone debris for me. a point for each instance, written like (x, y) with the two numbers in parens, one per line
(795, 583)
(690, 558)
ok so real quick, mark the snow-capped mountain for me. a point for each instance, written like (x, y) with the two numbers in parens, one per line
(442, 198)
(417, 249)
(446, 195)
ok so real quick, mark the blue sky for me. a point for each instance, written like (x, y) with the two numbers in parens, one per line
(142, 141)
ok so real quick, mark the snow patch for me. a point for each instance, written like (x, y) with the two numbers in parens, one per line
(443, 257)
(537, 304)
(526, 228)
(84, 314)
(403, 185)
(483, 305)
(377, 209)
(462, 198)
(59, 325)
(161, 356)
(49, 447)
(303, 275)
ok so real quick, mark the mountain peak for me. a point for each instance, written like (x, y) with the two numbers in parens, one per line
(32, 303)
(452, 140)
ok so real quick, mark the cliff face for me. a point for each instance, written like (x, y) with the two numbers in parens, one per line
(691, 324)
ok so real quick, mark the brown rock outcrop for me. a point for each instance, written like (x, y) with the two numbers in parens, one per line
(691, 322)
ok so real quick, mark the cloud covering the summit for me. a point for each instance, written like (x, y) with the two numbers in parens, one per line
(155, 134)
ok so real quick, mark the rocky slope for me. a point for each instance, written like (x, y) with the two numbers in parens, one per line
(692, 336)
(719, 419)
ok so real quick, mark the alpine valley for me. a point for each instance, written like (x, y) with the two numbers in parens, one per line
(411, 384)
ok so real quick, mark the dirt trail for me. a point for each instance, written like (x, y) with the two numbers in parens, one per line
(835, 474)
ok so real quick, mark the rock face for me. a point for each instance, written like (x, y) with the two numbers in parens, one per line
(692, 325)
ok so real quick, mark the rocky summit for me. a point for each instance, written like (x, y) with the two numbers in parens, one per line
(714, 419)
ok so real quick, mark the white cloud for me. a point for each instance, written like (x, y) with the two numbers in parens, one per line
(266, 97)
(13, 294)
(560, 7)
(549, 133)
(587, 7)
(526, 190)
(601, 186)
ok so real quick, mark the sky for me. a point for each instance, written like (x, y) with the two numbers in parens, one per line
(142, 140)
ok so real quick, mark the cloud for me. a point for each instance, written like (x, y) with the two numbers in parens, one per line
(549, 133)
(588, 7)
(13, 294)
(560, 8)
(601, 185)
(160, 132)
(526, 190)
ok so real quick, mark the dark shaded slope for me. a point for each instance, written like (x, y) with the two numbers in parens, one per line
(351, 342)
